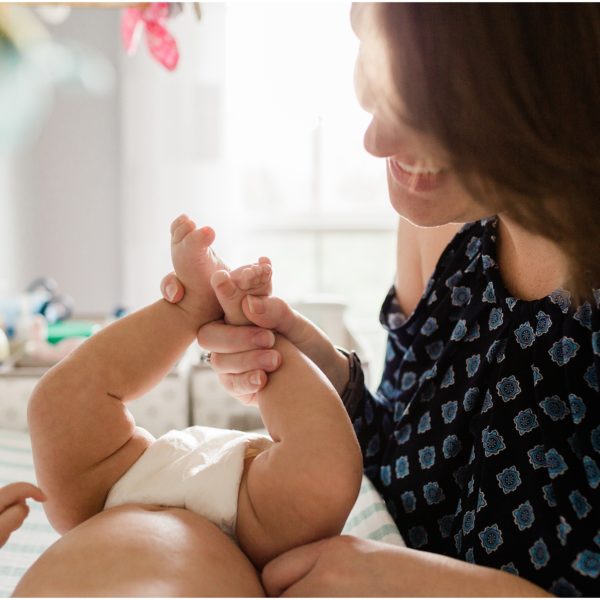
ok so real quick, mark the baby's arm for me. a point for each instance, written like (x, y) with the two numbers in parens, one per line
(304, 486)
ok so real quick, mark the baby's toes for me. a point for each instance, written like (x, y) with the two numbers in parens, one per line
(180, 228)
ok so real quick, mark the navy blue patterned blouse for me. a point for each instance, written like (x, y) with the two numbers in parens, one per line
(484, 434)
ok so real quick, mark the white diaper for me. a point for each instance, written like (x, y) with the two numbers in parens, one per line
(199, 468)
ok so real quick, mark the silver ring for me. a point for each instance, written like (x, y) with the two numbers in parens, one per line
(205, 358)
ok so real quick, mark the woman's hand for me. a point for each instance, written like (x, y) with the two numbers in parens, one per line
(13, 508)
(352, 567)
(242, 356)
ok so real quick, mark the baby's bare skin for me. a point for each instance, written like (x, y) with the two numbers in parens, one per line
(144, 551)
(84, 440)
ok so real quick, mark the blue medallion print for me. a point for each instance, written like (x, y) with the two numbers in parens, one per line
(473, 247)
(595, 438)
(459, 331)
(461, 295)
(563, 350)
(496, 318)
(544, 322)
(473, 332)
(564, 589)
(539, 554)
(549, 495)
(448, 378)
(489, 294)
(537, 376)
(373, 446)
(493, 442)
(591, 378)
(403, 435)
(596, 342)
(408, 380)
(445, 525)
(562, 531)
(487, 402)
(458, 541)
(508, 388)
(580, 504)
(562, 299)
(472, 364)
(583, 315)
(510, 568)
(402, 468)
(429, 327)
(587, 563)
(409, 356)
(509, 479)
(525, 335)
(451, 446)
(432, 298)
(424, 423)
(435, 349)
(427, 457)
(449, 410)
(525, 421)
(537, 457)
(469, 556)
(592, 472)
(556, 463)
(409, 501)
(468, 522)
(385, 474)
(511, 303)
(481, 501)
(496, 351)
(487, 261)
(399, 409)
(453, 279)
(554, 407)
(491, 538)
(523, 516)
(417, 536)
(433, 493)
(470, 398)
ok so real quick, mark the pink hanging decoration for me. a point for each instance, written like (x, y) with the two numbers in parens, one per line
(152, 18)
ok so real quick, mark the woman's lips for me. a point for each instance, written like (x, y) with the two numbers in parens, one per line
(416, 182)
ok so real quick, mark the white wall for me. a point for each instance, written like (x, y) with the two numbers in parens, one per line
(66, 202)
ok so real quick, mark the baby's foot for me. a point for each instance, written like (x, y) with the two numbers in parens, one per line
(195, 262)
(231, 288)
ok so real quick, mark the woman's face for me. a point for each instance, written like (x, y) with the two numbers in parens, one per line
(421, 186)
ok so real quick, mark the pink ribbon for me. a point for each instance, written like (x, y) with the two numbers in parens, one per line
(152, 18)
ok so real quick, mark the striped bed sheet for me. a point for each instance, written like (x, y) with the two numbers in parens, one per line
(369, 518)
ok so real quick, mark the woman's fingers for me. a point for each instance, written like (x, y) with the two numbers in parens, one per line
(171, 288)
(220, 337)
(14, 493)
(244, 362)
(11, 519)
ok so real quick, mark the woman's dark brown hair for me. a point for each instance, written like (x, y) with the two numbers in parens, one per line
(512, 92)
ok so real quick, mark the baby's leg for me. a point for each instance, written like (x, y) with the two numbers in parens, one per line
(304, 486)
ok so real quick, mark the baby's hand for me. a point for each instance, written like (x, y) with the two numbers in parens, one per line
(232, 287)
(13, 508)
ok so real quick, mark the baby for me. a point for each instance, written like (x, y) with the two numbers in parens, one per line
(270, 494)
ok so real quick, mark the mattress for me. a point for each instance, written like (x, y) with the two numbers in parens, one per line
(369, 518)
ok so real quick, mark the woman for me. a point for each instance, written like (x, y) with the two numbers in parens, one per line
(484, 435)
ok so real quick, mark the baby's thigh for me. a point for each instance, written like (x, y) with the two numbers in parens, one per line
(137, 550)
